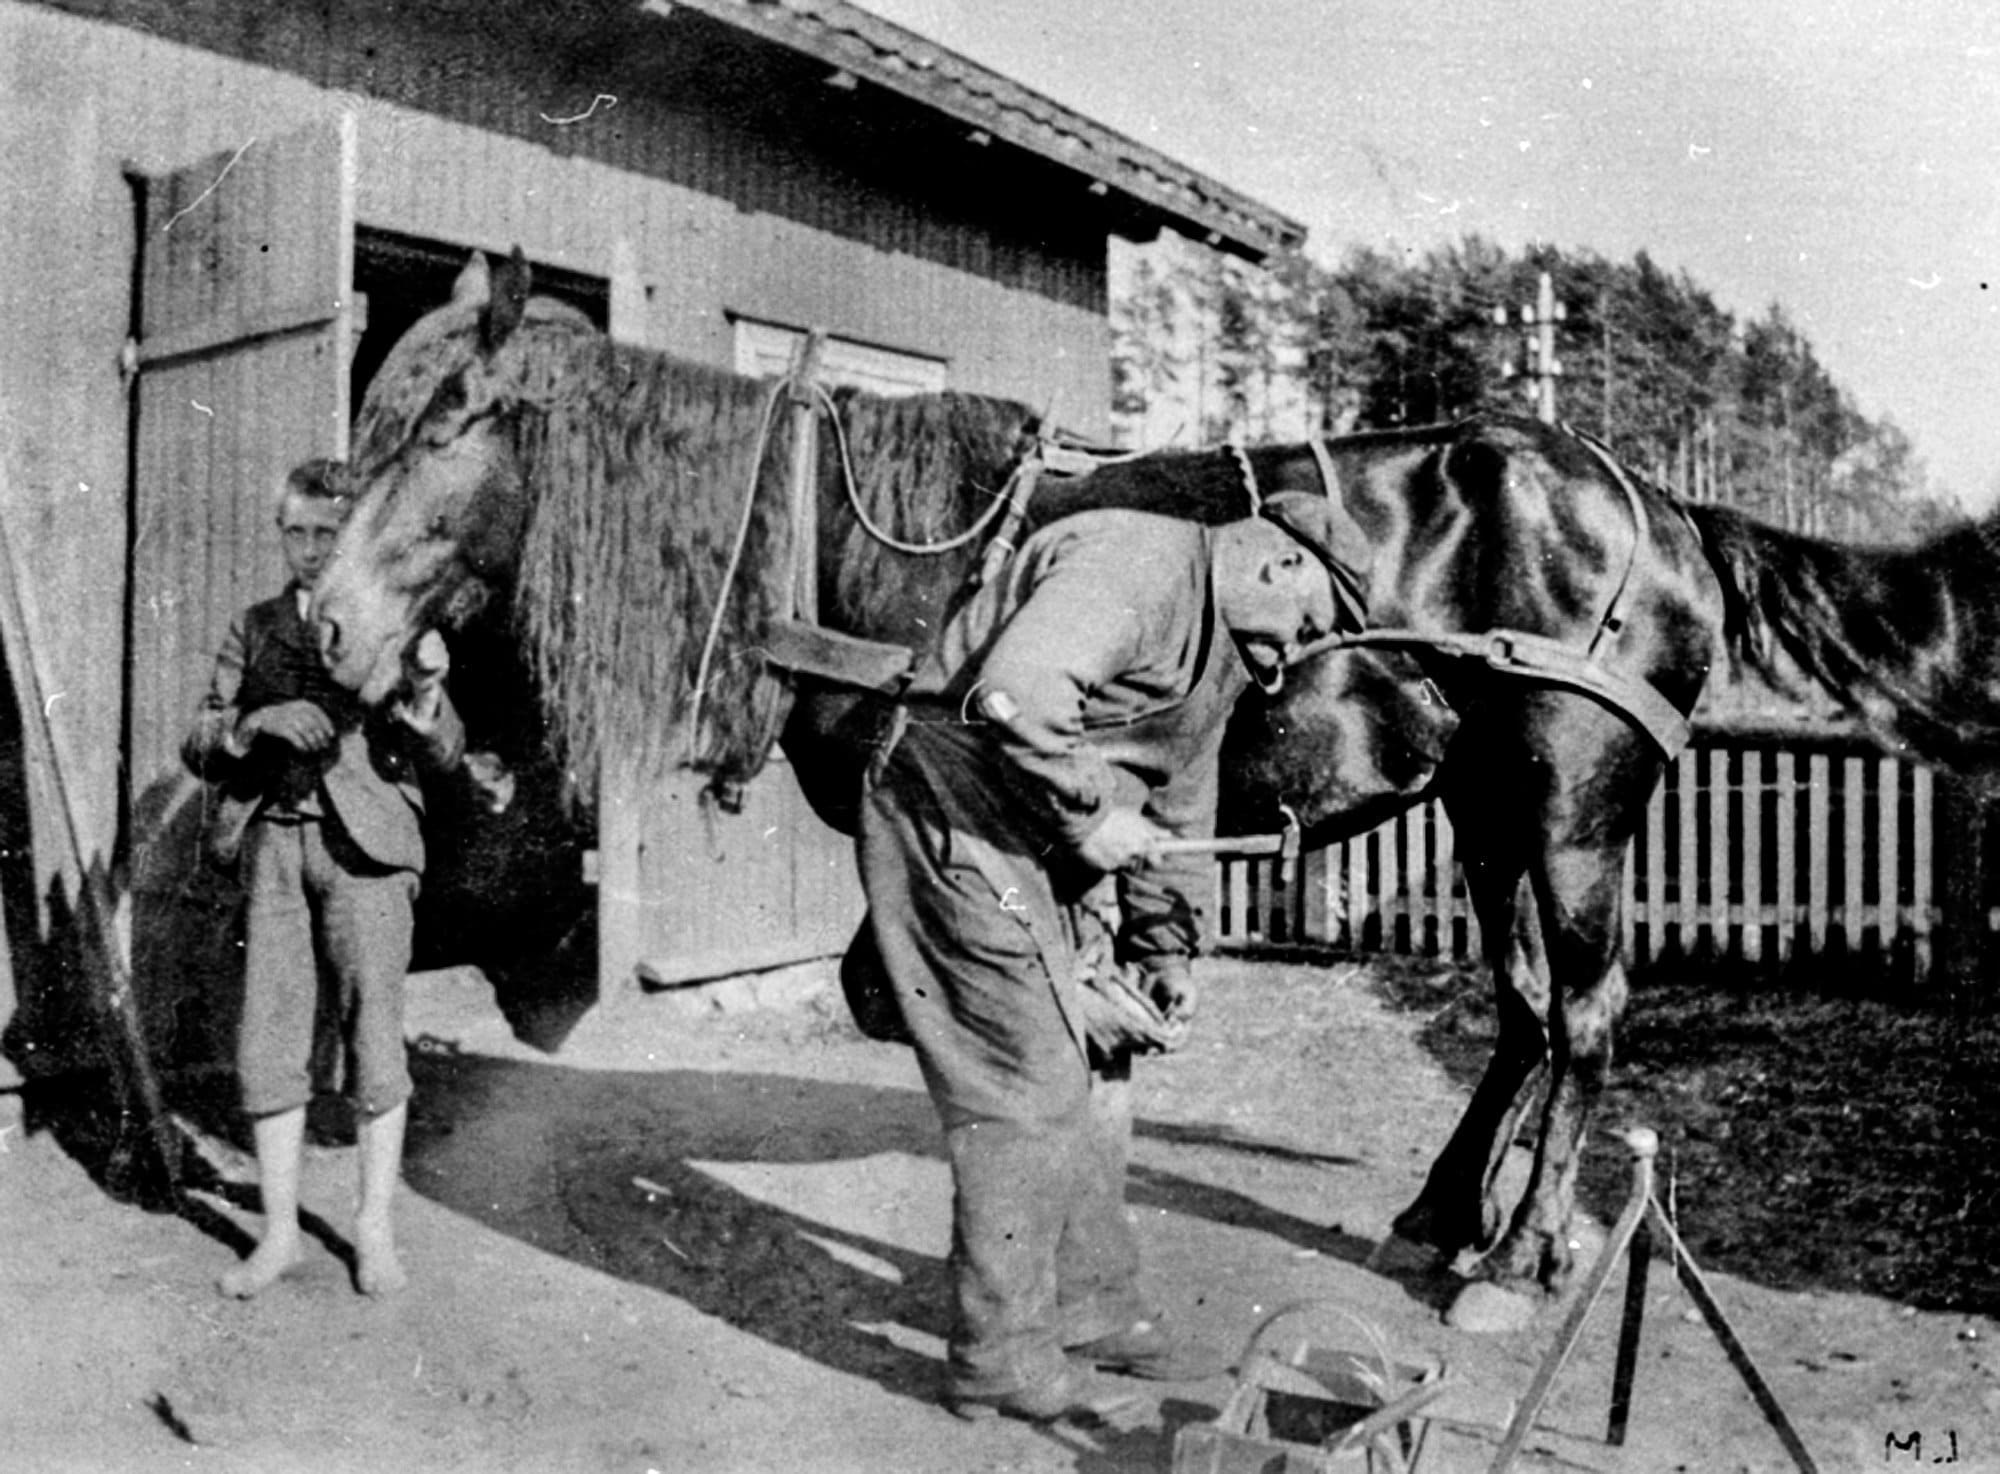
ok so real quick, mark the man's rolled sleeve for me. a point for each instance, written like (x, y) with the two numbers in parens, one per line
(1164, 904)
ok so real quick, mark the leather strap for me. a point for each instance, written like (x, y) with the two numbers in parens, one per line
(1346, 587)
(1613, 619)
(1027, 476)
(1539, 657)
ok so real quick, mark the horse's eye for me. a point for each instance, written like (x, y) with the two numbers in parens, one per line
(442, 419)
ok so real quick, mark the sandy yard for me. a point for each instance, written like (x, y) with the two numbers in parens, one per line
(697, 1238)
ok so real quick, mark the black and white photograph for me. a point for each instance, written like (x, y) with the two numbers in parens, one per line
(898, 736)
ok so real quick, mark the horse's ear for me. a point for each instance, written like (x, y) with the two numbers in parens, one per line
(510, 301)
(474, 286)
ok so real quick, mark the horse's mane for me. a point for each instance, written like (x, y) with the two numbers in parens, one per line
(928, 470)
(638, 466)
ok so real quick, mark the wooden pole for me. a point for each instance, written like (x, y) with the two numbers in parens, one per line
(1645, 1145)
(1961, 887)
(1718, 1323)
(1641, 1218)
(1540, 364)
(1638, 1261)
(1548, 312)
(147, 1151)
(804, 394)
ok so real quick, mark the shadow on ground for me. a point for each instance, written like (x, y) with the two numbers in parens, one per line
(1821, 1132)
(625, 1172)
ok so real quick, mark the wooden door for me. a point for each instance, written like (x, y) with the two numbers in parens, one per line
(245, 265)
(687, 892)
(245, 268)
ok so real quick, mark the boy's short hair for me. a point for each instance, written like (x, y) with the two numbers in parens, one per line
(322, 479)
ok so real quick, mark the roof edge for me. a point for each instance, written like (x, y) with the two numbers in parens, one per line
(887, 55)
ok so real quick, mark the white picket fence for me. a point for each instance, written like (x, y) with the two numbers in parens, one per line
(1749, 850)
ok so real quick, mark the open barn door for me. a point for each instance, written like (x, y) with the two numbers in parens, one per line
(244, 307)
(245, 272)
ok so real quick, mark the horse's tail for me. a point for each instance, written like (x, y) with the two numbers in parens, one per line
(1761, 612)
(1853, 623)
(1799, 607)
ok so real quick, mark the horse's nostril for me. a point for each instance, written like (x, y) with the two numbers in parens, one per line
(329, 636)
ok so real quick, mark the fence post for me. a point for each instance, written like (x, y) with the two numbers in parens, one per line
(1786, 799)
(1750, 874)
(1923, 850)
(1853, 797)
(1961, 888)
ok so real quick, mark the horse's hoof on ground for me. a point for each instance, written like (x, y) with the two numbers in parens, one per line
(1487, 1309)
(1396, 1255)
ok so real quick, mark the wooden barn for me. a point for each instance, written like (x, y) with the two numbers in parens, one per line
(221, 213)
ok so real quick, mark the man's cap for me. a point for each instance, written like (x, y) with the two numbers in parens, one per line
(1330, 535)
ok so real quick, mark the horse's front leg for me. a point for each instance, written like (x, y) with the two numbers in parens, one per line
(1458, 1208)
(1595, 775)
(1520, 1055)
(1579, 894)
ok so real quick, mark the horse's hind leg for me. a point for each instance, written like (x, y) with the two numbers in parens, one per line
(1458, 1208)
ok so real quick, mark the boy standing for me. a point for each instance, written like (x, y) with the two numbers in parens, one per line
(319, 804)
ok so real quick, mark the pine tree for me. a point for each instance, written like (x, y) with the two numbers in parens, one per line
(1714, 408)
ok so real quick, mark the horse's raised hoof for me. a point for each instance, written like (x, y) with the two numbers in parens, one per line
(1487, 1309)
(1396, 1257)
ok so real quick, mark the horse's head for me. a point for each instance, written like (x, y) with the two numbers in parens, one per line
(442, 502)
(1354, 737)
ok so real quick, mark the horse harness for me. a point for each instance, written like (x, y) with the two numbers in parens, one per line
(1516, 652)
(811, 649)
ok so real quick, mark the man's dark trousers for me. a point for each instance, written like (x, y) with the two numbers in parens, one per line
(976, 946)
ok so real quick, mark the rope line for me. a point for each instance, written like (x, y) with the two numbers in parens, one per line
(730, 571)
(895, 544)
(850, 484)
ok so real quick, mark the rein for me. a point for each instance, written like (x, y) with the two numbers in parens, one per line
(729, 572)
(803, 647)
(950, 544)
(1012, 499)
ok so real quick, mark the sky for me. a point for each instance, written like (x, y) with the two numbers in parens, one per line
(1839, 158)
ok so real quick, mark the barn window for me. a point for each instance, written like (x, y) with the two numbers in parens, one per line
(765, 350)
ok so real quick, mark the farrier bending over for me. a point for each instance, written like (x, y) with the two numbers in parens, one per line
(319, 803)
(1070, 719)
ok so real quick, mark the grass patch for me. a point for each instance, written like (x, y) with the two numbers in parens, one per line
(1810, 1138)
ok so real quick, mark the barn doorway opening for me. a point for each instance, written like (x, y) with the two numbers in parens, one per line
(398, 278)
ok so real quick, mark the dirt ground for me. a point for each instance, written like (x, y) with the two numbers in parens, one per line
(701, 1239)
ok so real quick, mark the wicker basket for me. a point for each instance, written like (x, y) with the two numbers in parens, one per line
(1298, 1408)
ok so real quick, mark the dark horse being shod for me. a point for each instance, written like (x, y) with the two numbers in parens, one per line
(1538, 625)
